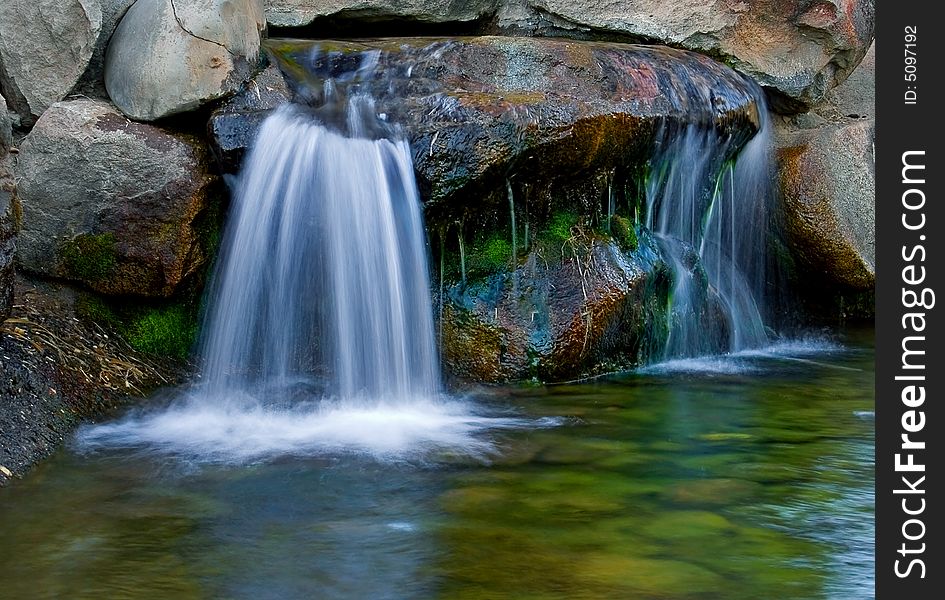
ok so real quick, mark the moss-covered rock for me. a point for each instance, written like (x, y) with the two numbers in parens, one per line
(121, 207)
(569, 308)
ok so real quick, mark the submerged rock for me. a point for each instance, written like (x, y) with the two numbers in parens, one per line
(171, 56)
(45, 47)
(123, 207)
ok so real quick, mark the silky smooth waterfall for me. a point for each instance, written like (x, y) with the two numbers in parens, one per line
(324, 268)
(711, 213)
(319, 333)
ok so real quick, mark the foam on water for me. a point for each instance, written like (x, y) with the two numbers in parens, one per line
(750, 360)
(241, 433)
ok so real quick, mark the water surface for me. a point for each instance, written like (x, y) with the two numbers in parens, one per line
(738, 477)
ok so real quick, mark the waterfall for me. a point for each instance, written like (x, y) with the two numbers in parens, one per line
(324, 267)
(710, 213)
(319, 336)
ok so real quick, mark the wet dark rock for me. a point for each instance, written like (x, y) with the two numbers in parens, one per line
(7, 218)
(122, 207)
(476, 110)
(234, 126)
(594, 308)
(7, 241)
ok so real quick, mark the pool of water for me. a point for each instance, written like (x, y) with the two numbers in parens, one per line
(740, 477)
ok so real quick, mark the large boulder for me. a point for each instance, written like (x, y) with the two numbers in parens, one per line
(298, 13)
(797, 49)
(478, 110)
(827, 177)
(171, 56)
(855, 98)
(122, 207)
(45, 47)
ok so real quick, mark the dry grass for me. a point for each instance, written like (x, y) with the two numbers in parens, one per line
(102, 360)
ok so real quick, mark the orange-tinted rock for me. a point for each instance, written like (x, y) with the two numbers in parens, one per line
(827, 178)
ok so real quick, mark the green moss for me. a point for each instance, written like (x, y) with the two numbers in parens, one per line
(560, 226)
(624, 233)
(93, 309)
(89, 257)
(490, 256)
(169, 331)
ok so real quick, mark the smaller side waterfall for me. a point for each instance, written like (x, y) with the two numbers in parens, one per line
(711, 213)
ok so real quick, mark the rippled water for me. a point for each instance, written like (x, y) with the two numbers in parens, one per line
(741, 477)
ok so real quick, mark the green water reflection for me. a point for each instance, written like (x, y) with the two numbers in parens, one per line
(677, 485)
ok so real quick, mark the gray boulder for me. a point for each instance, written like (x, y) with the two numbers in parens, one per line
(171, 56)
(45, 47)
(92, 83)
(122, 207)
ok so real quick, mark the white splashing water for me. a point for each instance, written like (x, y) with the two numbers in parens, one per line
(320, 332)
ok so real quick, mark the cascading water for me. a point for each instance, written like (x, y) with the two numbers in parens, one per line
(324, 266)
(710, 213)
(319, 337)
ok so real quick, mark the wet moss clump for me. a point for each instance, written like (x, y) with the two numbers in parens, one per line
(560, 227)
(624, 233)
(168, 331)
(490, 256)
(89, 257)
